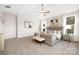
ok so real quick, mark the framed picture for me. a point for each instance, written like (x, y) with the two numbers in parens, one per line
(27, 24)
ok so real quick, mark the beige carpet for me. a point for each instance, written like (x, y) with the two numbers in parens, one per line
(26, 46)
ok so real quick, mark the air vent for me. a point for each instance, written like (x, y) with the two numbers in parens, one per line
(7, 6)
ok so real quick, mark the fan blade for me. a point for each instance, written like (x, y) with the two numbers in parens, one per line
(45, 12)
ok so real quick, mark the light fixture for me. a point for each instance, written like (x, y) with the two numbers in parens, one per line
(44, 11)
(7, 6)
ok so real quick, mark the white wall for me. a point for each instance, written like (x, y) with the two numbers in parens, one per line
(77, 26)
(0, 26)
(8, 25)
(0, 21)
(24, 32)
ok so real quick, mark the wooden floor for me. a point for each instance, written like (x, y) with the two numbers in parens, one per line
(25, 46)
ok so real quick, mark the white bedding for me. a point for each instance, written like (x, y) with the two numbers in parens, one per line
(56, 35)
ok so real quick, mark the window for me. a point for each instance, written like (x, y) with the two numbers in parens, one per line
(70, 22)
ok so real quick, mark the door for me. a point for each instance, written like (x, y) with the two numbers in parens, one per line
(9, 26)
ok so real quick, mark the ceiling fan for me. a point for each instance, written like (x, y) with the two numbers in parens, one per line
(43, 11)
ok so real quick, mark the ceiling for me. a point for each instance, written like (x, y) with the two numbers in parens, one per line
(35, 9)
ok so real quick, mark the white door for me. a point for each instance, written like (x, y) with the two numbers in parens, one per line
(9, 26)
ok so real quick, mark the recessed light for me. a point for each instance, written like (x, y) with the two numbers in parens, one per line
(7, 6)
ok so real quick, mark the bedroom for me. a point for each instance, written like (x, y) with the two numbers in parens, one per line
(22, 23)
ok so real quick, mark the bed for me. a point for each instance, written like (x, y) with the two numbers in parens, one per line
(51, 38)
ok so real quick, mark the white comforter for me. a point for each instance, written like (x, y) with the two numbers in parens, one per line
(56, 35)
